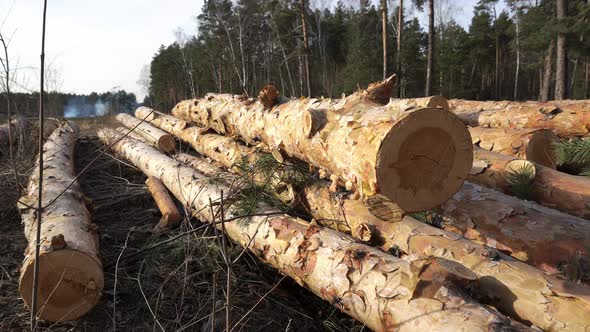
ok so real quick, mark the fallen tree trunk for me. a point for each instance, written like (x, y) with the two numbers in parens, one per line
(568, 118)
(424, 102)
(70, 272)
(164, 141)
(417, 158)
(171, 217)
(513, 287)
(530, 144)
(532, 233)
(551, 188)
(384, 292)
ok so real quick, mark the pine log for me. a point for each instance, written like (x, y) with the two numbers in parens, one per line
(532, 233)
(551, 188)
(567, 118)
(424, 102)
(513, 287)
(417, 158)
(379, 290)
(163, 121)
(164, 141)
(70, 272)
(530, 144)
(171, 217)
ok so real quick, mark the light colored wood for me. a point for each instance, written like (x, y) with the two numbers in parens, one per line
(424, 102)
(532, 233)
(550, 188)
(70, 271)
(416, 157)
(567, 118)
(157, 137)
(375, 288)
(171, 217)
(531, 144)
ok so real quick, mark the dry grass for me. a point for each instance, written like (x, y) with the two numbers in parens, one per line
(175, 286)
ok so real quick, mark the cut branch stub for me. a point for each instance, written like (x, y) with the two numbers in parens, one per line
(381, 92)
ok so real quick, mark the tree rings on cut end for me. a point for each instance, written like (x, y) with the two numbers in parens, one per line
(424, 159)
(166, 143)
(521, 166)
(70, 284)
(313, 121)
(540, 148)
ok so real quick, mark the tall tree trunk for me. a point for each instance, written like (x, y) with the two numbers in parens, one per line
(515, 96)
(587, 80)
(305, 45)
(400, 27)
(547, 75)
(430, 64)
(561, 67)
(384, 35)
(573, 80)
(373, 287)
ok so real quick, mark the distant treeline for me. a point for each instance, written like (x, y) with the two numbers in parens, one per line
(241, 46)
(68, 105)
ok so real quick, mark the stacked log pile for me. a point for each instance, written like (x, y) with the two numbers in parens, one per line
(383, 159)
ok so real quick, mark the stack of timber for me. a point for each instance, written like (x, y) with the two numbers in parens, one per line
(502, 278)
(567, 118)
(70, 272)
(384, 292)
(551, 188)
(417, 157)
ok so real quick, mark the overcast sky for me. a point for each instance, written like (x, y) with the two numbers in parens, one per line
(102, 45)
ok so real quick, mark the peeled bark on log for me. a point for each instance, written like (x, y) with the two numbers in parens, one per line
(163, 121)
(424, 102)
(567, 118)
(513, 287)
(164, 141)
(384, 292)
(417, 158)
(70, 272)
(530, 144)
(532, 233)
(551, 188)
(171, 217)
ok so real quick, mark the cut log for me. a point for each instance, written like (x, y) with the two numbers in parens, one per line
(424, 102)
(551, 188)
(535, 234)
(568, 118)
(164, 141)
(171, 217)
(510, 285)
(530, 144)
(418, 158)
(70, 272)
(375, 288)
(163, 121)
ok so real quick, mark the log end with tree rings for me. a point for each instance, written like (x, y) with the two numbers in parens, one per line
(167, 143)
(540, 148)
(424, 159)
(521, 166)
(70, 284)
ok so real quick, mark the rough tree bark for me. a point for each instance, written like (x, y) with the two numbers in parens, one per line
(305, 44)
(70, 272)
(164, 141)
(532, 233)
(502, 277)
(417, 158)
(400, 26)
(551, 188)
(171, 217)
(546, 81)
(379, 290)
(384, 35)
(531, 144)
(567, 118)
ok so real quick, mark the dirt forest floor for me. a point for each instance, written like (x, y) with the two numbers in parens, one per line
(153, 282)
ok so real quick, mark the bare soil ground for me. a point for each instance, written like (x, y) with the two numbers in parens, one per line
(177, 285)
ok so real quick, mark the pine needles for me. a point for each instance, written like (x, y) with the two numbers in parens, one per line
(574, 151)
(521, 181)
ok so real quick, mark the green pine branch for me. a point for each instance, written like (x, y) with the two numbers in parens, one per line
(572, 151)
(521, 181)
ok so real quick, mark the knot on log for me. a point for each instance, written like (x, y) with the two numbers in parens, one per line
(268, 96)
(381, 92)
